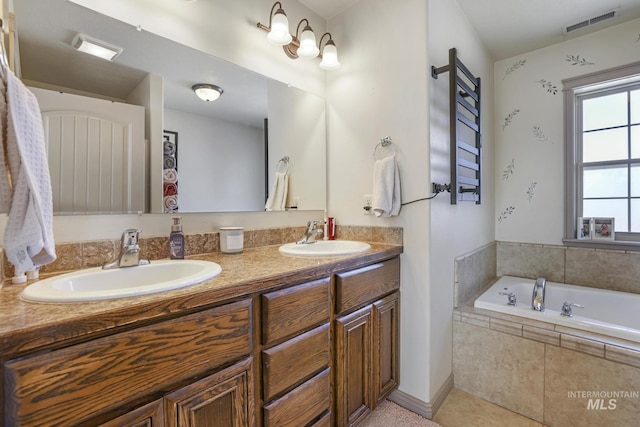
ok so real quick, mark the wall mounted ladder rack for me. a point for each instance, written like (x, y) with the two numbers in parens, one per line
(465, 129)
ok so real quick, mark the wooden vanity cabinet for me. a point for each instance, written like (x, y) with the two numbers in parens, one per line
(90, 382)
(366, 339)
(316, 354)
(296, 355)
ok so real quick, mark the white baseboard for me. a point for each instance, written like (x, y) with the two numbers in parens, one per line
(425, 409)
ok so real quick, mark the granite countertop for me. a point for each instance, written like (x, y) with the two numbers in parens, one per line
(25, 326)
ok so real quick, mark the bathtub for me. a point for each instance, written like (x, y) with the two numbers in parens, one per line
(605, 312)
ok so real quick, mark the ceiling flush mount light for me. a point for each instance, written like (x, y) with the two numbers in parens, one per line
(207, 92)
(95, 47)
(302, 45)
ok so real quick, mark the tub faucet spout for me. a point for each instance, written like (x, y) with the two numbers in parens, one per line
(537, 299)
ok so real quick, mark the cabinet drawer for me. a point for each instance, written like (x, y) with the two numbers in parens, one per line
(292, 361)
(290, 311)
(358, 287)
(81, 381)
(301, 405)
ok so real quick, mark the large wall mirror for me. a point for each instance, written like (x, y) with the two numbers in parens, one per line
(229, 152)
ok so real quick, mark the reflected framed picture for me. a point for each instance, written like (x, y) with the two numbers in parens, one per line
(603, 229)
(584, 228)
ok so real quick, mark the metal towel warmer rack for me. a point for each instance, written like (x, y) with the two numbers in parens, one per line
(465, 141)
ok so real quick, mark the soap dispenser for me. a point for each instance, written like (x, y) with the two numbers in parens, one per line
(176, 239)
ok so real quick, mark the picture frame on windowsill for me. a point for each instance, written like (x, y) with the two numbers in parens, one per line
(603, 229)
(584, 228)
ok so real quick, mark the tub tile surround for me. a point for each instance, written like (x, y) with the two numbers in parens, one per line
(473, 271)
(493, 353)
(87, 254)
(599, 268)
(530, 367)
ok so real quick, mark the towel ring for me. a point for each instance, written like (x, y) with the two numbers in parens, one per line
(283, 165)
(384, 142)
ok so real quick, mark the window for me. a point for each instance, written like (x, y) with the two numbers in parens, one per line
(602, 119)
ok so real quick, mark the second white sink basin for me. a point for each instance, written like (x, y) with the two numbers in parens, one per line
(94, 284)
(325, 248)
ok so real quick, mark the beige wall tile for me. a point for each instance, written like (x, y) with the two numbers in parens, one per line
(531, 261)
(543, 335)
(582, 344)
(622, 355)
(568, 371)
(500, 368)
(506, 326)
(475, 319)
(473, 272)
(613, 270)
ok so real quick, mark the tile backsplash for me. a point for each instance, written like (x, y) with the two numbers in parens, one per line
(598, 268)
(78, 255)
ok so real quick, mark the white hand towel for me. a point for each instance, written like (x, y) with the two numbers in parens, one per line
(278, 195)
(28, 237)
(386, 187)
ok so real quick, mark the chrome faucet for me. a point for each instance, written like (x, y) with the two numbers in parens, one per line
(129, 251)
(311, 233)
(537, 299)
(511, 297)
(566, 308)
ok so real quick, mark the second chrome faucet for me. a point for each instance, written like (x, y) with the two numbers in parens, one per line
(129, 251)
(539, 289)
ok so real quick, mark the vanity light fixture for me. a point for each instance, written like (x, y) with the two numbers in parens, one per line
(95, 47)
(207, 92)
(302, 45)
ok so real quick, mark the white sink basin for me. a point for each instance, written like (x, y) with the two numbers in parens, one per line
(325, 248)
(97, 284)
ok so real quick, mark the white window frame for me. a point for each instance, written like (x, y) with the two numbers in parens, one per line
(573, 87)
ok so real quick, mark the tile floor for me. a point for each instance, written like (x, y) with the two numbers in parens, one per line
(461, 409)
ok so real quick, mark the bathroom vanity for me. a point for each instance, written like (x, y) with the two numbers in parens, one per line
(273, 341)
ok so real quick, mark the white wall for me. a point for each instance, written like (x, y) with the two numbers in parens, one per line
(529, 129)
(385, 88)
(455, 229)
(381, 90)
(213, 148)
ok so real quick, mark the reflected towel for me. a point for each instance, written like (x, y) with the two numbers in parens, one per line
(170, 189)
(169, 162)
(386, 187)
(169, 148)
(28, 237)
(170, 175)
(171, 204)
(278, 195)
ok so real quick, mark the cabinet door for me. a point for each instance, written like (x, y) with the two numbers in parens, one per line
(149, 415)
(353, 367)
(385, 345)
(224, 399)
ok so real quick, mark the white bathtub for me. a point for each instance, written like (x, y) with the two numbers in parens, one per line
(612, 313)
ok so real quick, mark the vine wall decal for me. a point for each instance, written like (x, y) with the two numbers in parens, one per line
(509, 118)
(576, 60)
(538, 133)
(550, 87)
(509, 170)
(506, 213)
(515, 66)
(531, 190)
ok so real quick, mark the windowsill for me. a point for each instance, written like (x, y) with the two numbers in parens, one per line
(621, 245)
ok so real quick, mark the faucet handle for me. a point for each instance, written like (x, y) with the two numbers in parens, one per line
(130, 237)
(566, 308)
(511, 297)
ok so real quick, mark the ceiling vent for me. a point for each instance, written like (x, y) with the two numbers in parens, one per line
(590, 21)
